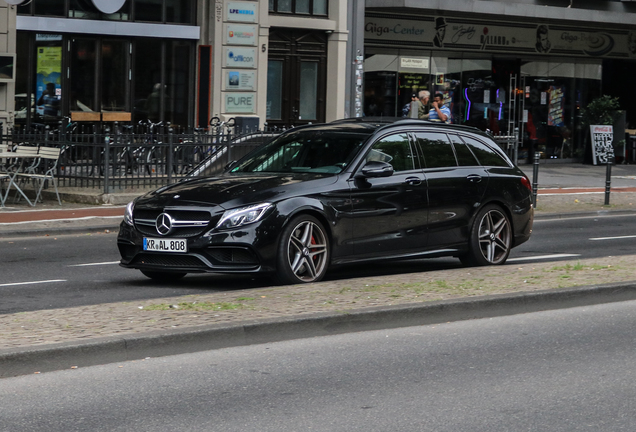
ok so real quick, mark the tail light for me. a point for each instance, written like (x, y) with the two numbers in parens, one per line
(526, 182)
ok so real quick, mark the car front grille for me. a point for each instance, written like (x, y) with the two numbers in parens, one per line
(187, 223)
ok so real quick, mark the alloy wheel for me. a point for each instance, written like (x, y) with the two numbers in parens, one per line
(307, 251)
(494, 236)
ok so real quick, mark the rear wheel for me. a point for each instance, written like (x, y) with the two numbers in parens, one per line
(303, 252)
(163, 276)
(490, 238)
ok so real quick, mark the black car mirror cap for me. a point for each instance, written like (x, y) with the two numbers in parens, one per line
(376, 169)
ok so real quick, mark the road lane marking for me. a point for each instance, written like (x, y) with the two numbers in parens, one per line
(94, 264)
(32, 282)
(613, 238)
(543, 257)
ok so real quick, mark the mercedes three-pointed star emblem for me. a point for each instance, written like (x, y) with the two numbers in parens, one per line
(164, 224)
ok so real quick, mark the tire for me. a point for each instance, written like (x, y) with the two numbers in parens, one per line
(303, 251)
(490, 238)
(163, 276)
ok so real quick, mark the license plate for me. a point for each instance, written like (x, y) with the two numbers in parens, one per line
(165, 245)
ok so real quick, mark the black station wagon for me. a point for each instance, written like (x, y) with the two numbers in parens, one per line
(331, 194)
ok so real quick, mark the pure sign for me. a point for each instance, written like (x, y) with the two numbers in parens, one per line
(602, 137)
(239, 102)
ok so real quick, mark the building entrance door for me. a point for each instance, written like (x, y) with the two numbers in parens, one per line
(296, 77)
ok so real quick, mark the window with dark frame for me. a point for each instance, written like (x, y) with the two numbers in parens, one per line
(159, 11)
(299, 7)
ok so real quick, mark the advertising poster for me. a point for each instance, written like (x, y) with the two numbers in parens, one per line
(555, 106)
(602, 149)
(49, 73)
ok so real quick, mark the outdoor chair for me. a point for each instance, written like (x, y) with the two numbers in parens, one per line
(25, 161)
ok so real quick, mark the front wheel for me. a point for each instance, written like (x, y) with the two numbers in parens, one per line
(490, 238)
(303, 251)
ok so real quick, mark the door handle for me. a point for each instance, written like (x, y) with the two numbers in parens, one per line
(413, 181)
(474, 178)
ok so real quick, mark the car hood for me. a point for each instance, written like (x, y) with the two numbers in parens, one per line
(230, 191)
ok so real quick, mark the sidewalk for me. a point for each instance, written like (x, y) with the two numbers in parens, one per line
(62, 338)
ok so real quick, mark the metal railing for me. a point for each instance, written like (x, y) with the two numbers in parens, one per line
(133, 157)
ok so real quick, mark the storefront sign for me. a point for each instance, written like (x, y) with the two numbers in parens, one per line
(414, 63)
(240, 80)
(240, 57)
(239, 34)
(602, 138)
(48, 78)
(242, 11)
(243, 103)
(451, 33)
(46, 37)
(555, 107)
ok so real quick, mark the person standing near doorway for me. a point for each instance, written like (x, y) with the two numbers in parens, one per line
(424, 107)
(439, 112)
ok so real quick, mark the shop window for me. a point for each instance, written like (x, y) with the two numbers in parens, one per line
(49, 8)
(85, 9)
(149, 10)
(274, 89)
(147, 80)
(179, 11)
(299, 7)
(162, 81)
(178, 79)
(114, 76)
(24, 97)
(82, 75)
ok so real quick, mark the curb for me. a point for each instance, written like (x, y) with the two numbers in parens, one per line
(23, 361)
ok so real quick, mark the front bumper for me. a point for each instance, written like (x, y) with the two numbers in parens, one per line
(247, 250)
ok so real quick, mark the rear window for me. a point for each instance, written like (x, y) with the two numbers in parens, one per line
(485, 155)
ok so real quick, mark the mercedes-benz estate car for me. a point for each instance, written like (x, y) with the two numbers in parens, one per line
(323, 195)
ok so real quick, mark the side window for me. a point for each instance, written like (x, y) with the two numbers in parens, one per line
(436, 149)
(464, 156)
(485, 155)
(394, 149)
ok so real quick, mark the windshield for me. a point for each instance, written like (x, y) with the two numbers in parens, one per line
(312, 151)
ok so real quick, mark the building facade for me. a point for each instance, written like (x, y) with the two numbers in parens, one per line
(279, 62)
(532, 65)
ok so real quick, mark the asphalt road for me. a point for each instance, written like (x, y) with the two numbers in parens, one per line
(74, 270)
(563, 370)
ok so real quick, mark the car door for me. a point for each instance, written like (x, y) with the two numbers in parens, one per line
(456, 185)
(390, 213)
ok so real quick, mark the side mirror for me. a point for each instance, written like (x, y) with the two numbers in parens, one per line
(374, 169)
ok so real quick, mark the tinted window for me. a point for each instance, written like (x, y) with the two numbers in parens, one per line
(304, 151)
(485, 155)
(394, 149)
(437, 150)
(464, 156)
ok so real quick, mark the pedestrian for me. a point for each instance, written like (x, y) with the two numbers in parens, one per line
(424, 107)
(439, 112)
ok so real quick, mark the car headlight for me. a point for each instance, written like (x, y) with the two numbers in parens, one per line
(128, 215)
(242, 216)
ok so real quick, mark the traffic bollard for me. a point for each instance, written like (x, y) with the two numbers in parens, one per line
(535, 178)
(608, 180)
